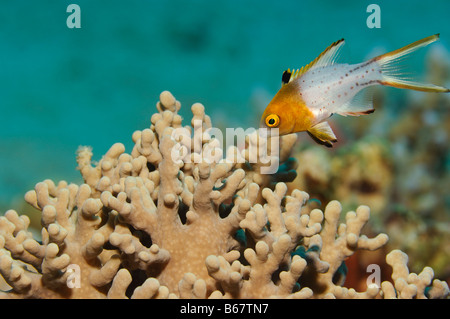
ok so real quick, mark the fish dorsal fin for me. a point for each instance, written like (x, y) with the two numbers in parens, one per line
(326, 58)
(289, 75)
(323, 134)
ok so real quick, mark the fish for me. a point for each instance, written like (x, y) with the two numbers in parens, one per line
(310, 95)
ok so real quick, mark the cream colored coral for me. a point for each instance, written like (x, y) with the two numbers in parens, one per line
(71, 234)
(172, 219)
(410, 285)
(272, 249)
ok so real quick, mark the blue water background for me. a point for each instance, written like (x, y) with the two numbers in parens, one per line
(61, 88)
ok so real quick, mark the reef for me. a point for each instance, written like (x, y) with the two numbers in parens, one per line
(179, 217)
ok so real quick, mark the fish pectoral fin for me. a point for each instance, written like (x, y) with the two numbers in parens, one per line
(361, 104)
(323, 134)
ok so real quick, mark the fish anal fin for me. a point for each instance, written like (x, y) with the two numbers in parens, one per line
(327, 57)
(323, 134)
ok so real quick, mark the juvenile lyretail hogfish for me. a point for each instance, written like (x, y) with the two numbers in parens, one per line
(310, 95)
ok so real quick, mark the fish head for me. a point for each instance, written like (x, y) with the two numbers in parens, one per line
(282, 112)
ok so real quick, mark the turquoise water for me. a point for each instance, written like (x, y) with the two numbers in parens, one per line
(61, 88)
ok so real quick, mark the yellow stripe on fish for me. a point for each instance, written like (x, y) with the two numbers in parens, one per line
(310, 95)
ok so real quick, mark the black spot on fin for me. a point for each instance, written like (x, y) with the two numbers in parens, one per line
(326, 58)
(285, 78)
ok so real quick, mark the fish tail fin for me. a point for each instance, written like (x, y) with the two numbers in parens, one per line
(391, 76)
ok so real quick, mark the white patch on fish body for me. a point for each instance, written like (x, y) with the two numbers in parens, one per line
(330, 89)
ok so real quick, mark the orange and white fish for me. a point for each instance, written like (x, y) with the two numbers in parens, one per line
(310, 95)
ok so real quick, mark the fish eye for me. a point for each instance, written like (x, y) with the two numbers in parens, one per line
(272, 120)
